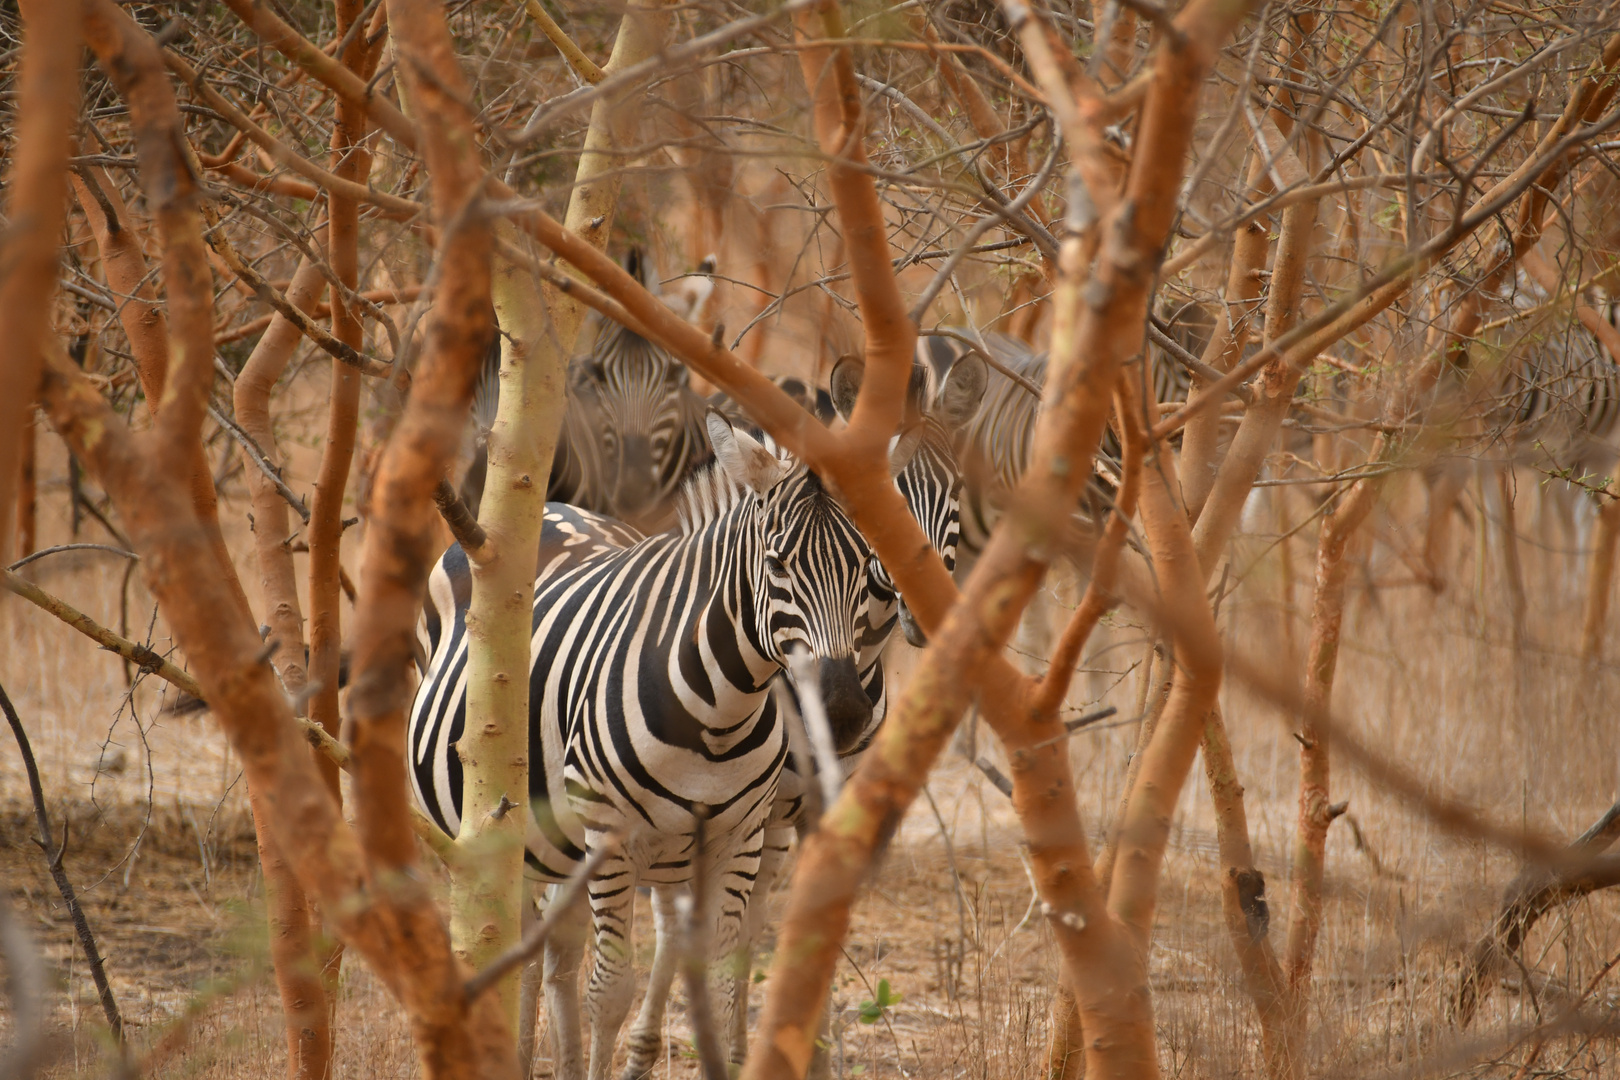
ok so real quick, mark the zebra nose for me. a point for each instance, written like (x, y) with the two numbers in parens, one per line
(637, 486)
(912, 628)
(849, 710)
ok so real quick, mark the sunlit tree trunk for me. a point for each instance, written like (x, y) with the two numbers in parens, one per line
(540, 325)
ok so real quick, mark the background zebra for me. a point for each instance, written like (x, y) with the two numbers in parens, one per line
(995, 447)
(651, 662)
(633, 429)
(1560, 391)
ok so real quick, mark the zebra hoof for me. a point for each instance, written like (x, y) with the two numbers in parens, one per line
(643, 1057)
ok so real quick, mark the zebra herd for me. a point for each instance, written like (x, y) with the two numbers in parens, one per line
(653, 658)
(653, 654)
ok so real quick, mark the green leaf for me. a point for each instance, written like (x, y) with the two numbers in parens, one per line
(872, 1011)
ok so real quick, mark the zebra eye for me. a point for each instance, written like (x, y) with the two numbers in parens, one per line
(775, 566)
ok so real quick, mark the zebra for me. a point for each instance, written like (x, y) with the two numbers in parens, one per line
(931, 484)
(1553, 404)
(817, 402)
(633, 429)
(1562, 392)
(649, 701)
(996, 446)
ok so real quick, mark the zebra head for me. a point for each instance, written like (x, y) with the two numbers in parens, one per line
(641, 401)
(644, 419)
(807, 567)
(938, 407)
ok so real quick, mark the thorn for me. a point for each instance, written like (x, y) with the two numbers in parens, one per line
(1303, 741)
(267, 652)
(501, 808)
(1336, 809)
(350, 522)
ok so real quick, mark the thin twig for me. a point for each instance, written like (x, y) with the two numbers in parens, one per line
(256, 455)
(463, 526)
(338, 350)
(36, 556)
(694, 938)
(583, 66)
(143, 657)
(978, 349)
(667, 60)
(54, 856)
(805, 671)
(996, 216)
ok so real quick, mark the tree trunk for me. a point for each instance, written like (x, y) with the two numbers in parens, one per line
(304, 999)
(541, 324)
(35, 212)
(1316, 812)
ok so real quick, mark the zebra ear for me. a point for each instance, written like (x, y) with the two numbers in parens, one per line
(963, 392)
(742, 456)
(902, 448)
(846, 383)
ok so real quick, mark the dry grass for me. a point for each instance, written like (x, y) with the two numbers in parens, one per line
(161, 844)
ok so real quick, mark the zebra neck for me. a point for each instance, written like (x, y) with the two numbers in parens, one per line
(723, 634)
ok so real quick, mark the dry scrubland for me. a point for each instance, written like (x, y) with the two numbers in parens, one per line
(837, 183)
(161, 844)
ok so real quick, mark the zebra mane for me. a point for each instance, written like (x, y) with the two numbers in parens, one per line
(710, 493)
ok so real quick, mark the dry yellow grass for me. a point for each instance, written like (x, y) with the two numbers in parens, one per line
(1431, 682)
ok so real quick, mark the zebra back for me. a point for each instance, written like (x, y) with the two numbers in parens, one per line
(995, 446)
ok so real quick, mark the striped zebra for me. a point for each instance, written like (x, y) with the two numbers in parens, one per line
(931, 484)
(995, 447)
(651, 664)
(633, 429)
(1560, 392)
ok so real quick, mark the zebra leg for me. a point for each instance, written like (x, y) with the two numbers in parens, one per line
(612, 984)
(564, 952)
(528, 999)
(647, 1034)
(726, 898)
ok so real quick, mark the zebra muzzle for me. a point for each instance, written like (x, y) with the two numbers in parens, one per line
(636, 486)
(849, 710)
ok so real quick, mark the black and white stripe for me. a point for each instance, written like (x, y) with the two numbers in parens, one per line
(632, 431)
(651, 662)
(995, 447)
(1560, 394)
(930, 483)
